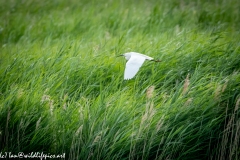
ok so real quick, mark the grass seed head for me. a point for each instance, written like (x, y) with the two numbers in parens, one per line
(159, 124)
(152, 111)
(64, 106)
(224, 86)
(45, 98)
(51, 106)
(237, 104)
(217, 93)
(186, 85)
(38, 123)
(150, 91)
(79, 130)
(97, 139)
(188, 102)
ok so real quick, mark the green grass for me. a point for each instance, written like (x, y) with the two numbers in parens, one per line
(62, 87)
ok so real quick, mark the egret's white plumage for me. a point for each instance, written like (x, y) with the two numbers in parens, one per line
(135, 61)
(132, 66)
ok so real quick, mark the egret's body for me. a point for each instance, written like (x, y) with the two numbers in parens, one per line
(135, 61)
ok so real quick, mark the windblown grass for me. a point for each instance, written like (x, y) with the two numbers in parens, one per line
(62, 87)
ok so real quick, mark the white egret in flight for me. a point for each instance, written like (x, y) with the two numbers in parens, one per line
(135, 61)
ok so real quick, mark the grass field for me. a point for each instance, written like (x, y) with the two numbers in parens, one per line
(62, 87)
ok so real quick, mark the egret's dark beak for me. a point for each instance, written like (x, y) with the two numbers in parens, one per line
(120, 55)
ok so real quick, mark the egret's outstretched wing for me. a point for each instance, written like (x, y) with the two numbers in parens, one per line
(132, 66)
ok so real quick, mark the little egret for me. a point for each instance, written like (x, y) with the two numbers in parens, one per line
(135, 61)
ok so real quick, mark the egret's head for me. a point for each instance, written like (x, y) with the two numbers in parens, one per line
(126, 55)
